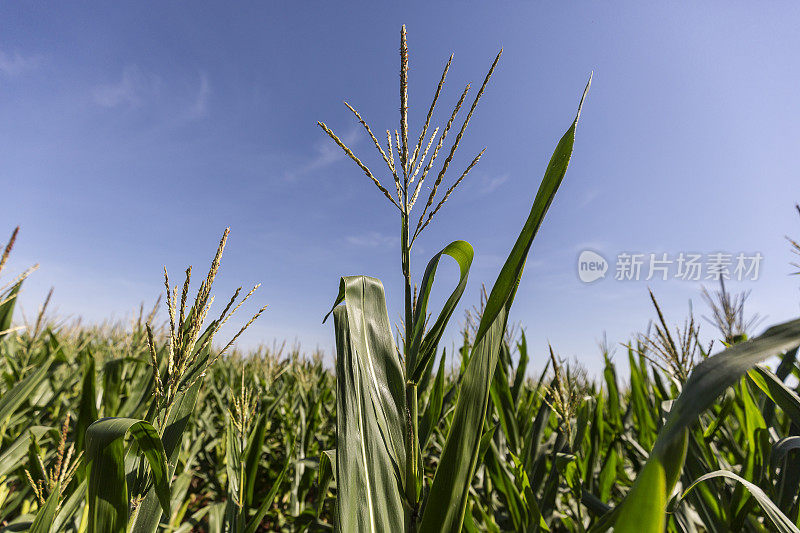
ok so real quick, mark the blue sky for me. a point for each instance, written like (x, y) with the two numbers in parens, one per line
(131, 135)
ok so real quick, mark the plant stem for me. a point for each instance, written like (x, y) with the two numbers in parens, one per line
(405, 245)
(412, 457)
(411, 388)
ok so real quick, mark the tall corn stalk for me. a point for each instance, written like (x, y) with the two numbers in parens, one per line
(378, 399)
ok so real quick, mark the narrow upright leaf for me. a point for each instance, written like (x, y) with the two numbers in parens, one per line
(47, 513)
(447, 502)
(424, 348)
(7, 304)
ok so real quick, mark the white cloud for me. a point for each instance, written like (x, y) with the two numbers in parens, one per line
(597, 246)
(327, 153)
(16, 64)
(491, 184)
(588, 197)
(199, 107)
(372, 239)
(133, 89)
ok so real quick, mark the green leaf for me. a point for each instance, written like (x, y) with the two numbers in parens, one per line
(370, 400)
(503, 482)
(433, 411)
(608, 474)
(610, 376)
(783, 447)
(233, 464)
(70, 507)
(266, 503)
(252, 456)
(640, 400)
(447, 501)
(47, 514)
(15, 452)
(325, 475)
(7, 302)
(22, 391)
(787, 483)
(112, 386)
(148, 513)
(777, 391)
(423, 349)
(87, 408)
(535, 520)
(108, 489)
(522, 365)
(711, 377)
(643, 510)
(778, 519)
(486, 440)
(534, 454)
(726, 407)
(503, 401)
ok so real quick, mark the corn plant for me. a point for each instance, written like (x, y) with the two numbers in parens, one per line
(178, 370)
(378, 459)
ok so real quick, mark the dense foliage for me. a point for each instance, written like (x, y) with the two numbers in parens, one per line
(557, 450)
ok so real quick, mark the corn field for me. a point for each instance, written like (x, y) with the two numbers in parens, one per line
(159, 425)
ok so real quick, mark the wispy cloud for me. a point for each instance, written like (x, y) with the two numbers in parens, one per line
(588, 197)
(137, 87)
(16, 64)
(199, 107)
(596, 245)
(133, 89)
(326, 153)
(492, 183)
(372, 239)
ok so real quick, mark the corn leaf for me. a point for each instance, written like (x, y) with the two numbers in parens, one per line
(433, 411)
(108, 489)
(370, 396)
(325, 476)
(522, 365)
(447, 502)
(7, 308)
(643, 510)
(777, 391)
(779, 520)
(266, 503)
(22, 391)
(149, 511)
(252, 456)
(233, 470)
(87, 408)
(47, 513)
(503, 401)
(423, 349)
(70, 507)
(15, 452)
